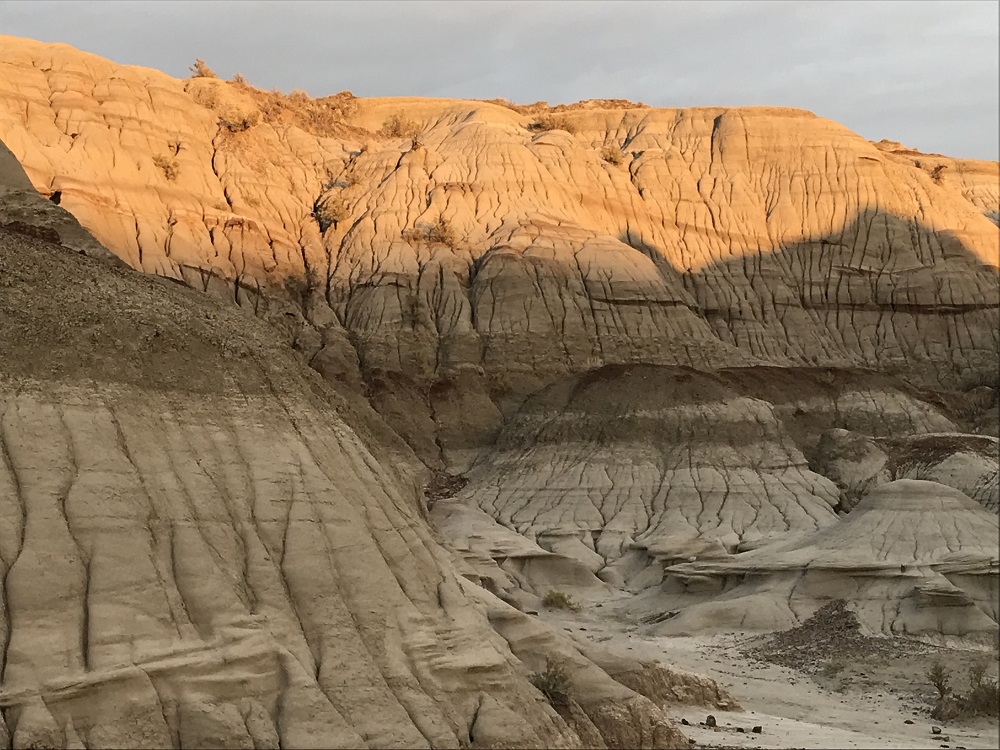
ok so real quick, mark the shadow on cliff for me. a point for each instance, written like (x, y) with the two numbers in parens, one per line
(883, 293)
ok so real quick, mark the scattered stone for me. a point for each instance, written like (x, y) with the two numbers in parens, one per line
(908, 721)
(711, 722)
(685, 722)
(757, 729)
(830, 632)
(935, 730)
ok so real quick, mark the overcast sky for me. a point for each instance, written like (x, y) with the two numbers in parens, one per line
(923, 73)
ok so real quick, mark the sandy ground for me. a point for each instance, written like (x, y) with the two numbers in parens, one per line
(866, 703)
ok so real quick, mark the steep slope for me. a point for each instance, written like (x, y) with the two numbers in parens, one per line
(703, 237)
(629, 327)
(202, 545)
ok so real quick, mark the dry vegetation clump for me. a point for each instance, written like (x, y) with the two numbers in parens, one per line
(612, 155)
(552, 122)
(981, 700)
(243, 123)
(937, 174)
(169, 167)
(440, 232)
(553, 683)
(330, 212)
(398, 126)
(560, 600)
(201, 70)
(325, 117)
(521, 109)
(503, 103)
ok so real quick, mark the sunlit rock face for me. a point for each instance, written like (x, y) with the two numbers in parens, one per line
(204, 545)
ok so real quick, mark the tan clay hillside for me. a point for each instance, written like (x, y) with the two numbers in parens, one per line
(645, 338)
(487, 250)
(203, 545)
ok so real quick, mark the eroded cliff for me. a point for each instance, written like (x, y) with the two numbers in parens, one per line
(629, 328)
(440, 247)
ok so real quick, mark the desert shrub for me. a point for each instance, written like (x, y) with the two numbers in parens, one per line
(937, 174)
(560, 600)
(398, 126)
(939, 677)
(168, 166)
(441, 232)
(325, 117)
(982, 698)
(552, 122)
(240, 79)
(612, 155)
(245, 122)
(201, 70)
(553, 683)
(330, 212)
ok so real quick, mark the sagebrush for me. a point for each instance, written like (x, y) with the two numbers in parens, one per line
(201, 70)
(981, 699)
(553, 683)
(612, 155)
(553, 122)
(560, 600)
(244, 122)
(398, 126)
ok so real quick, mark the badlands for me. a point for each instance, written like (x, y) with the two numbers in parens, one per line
(352, 422)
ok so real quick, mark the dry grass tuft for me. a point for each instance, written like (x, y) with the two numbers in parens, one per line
(553, 122)
(325, 117)
(201, 70)
(560, 600)
(169, 167)
(398, 126)
(242, 124)
(612, 155)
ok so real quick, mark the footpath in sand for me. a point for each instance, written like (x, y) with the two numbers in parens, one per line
(857, 699)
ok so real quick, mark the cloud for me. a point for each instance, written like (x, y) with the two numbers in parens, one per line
(923, 73)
